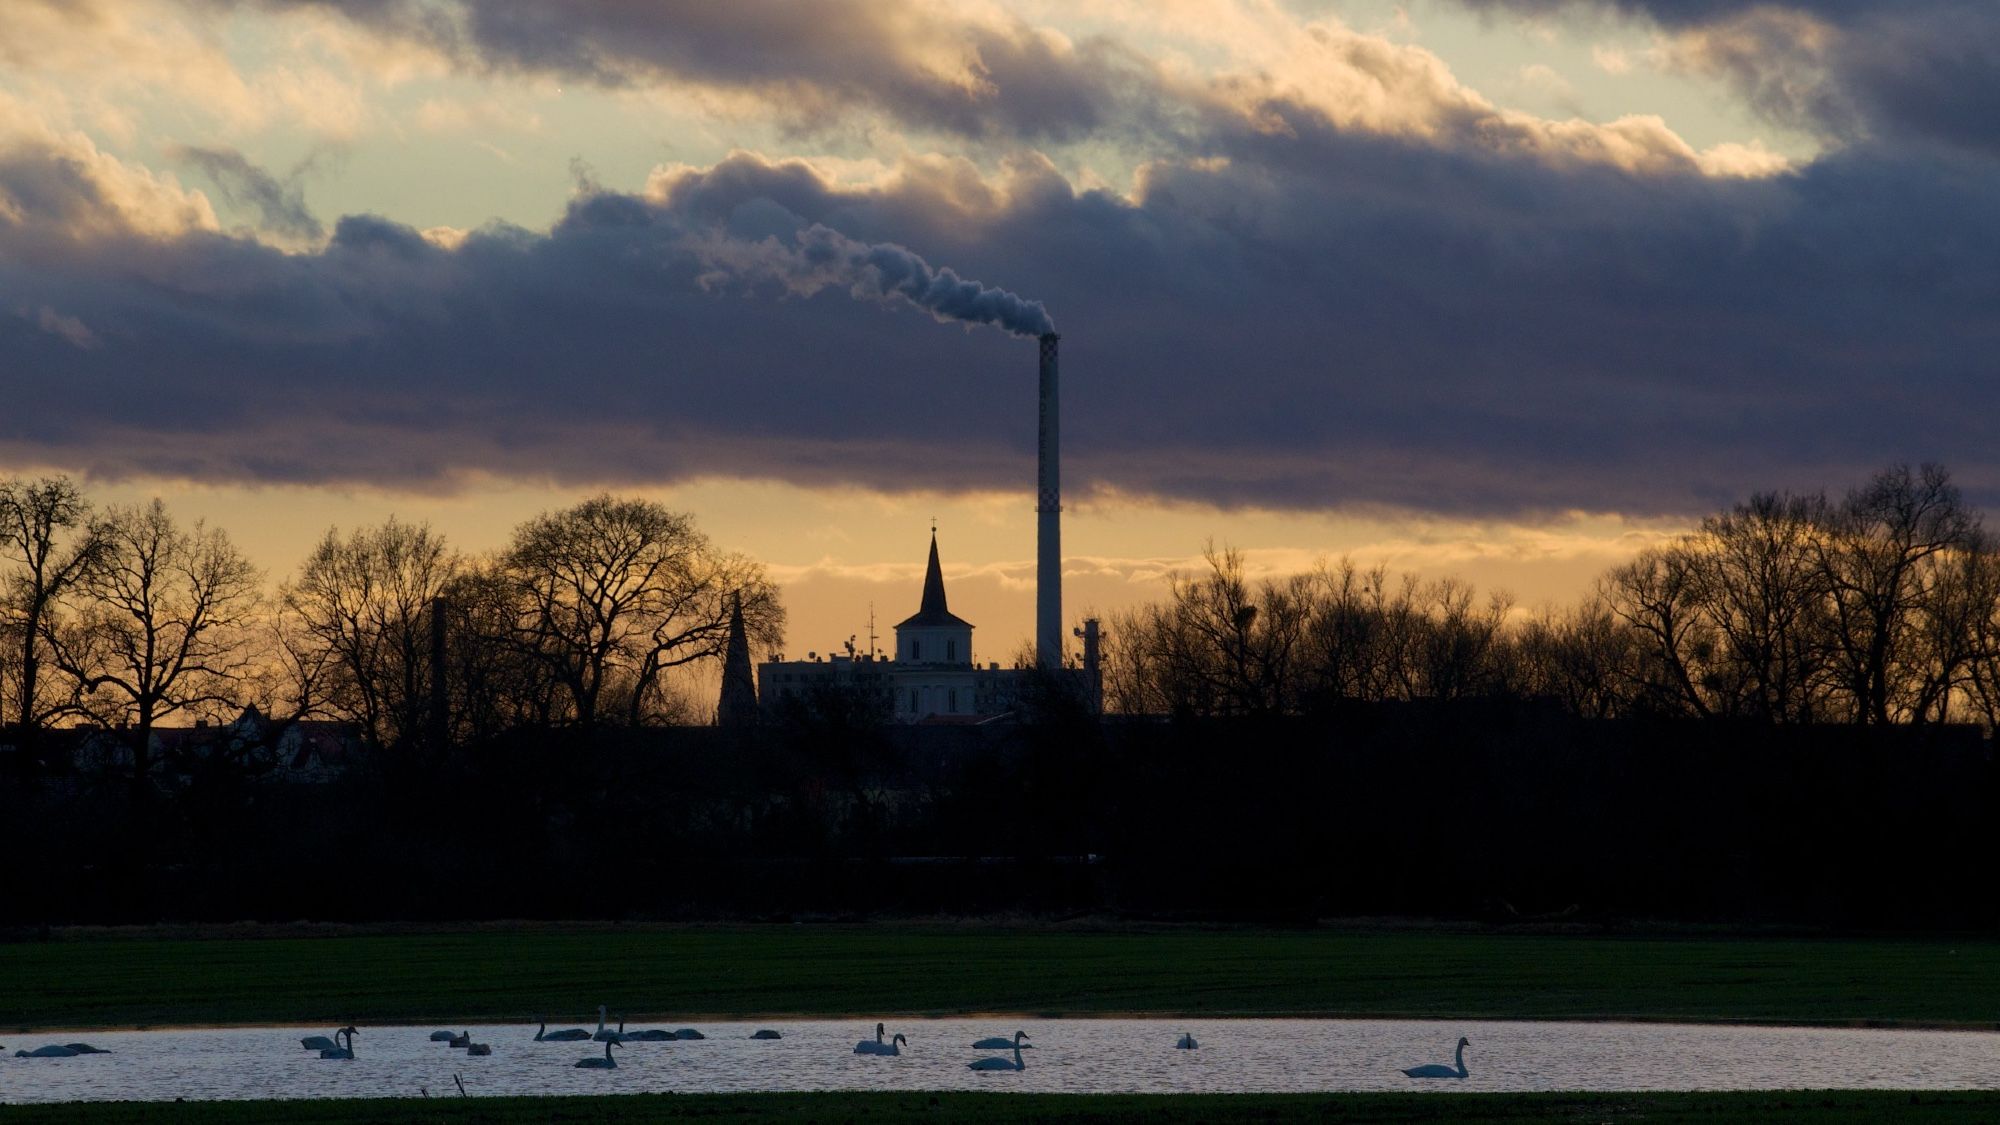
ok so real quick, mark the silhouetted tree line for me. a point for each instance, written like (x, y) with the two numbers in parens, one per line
(1880, 608)
(122, 618)
(1748, 724)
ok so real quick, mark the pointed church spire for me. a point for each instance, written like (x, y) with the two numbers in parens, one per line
(738, 705)
(933, 611)
(933, 585)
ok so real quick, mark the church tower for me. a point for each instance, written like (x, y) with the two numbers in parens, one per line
(934, 635)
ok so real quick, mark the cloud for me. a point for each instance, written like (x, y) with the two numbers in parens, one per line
(1913, 69)
(280, 204)
(1301, 316)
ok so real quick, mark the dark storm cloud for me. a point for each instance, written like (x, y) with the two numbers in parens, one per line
(1891, 69)
(1308, 317)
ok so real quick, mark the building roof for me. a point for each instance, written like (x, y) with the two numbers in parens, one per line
(933, 614)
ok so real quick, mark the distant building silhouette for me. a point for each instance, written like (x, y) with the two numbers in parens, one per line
(932, 678)
(738, 705)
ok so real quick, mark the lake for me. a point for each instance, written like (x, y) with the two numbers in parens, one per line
(1068, 1056)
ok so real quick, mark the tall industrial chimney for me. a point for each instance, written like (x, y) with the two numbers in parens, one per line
(1048, 539)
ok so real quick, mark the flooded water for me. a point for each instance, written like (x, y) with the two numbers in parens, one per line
(1067, 1056)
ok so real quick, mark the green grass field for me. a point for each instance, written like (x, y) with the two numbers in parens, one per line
(1808, 1108)
(524, 972)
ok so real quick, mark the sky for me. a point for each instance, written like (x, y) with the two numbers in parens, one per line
(1500, 289)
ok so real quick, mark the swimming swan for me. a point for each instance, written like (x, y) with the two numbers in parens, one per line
(1019, 1063)
(49, 1052)
(319, 1042)
(870, 1046)
(605, 1063)
(650, 1035)
(443, 1036)
(86, 1049)
(1187, 1042)
(604, 1035)
(766, 1033)
(997, 1043)
(892, 1047)
(346, 1052)
(478, 1048)
(689, 1033)
(567, 1035)
(462, 1039)
(1439, 1070)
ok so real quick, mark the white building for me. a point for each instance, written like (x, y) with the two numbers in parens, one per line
(931, 679)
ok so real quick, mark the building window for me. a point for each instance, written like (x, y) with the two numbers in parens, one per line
(951, 651)
(913, 701)
(915, 647)
(953, 705)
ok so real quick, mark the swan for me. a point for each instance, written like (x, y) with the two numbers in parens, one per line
(1439, 1070)
(892, 1047)
(605, 1063)
(766, 1033)
(1019, 1063)
(650, 1035)
(462, 1039)
(998, 1043)
(86, 1049)
(479, 1048)
(51, 1051)
(319, 1042)
(567, 1035)
(1187, 1042)
(346, 1052)
(443, 1036)
(870, 1046)
(604, 1034)
(689, 1033)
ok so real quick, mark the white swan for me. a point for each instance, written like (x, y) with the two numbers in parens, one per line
(997, 1043)
(319, 1042)
(870, 1046)
(1439, 1070)
(478, 1049)
(86, 1049)
(689, 1033)
(1019, 1063)
(443, 1036)
(462, 1039)
(1187, 1042)
(566, 1035)
(892, 1047)
(604, 1034)
(605, 1063)
(51, 1051)
(766, 1033)
(346, 1052)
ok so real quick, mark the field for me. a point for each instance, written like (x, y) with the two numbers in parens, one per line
(1808, 1108)
(525, 972)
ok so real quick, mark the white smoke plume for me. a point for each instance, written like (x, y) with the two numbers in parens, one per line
(880, 271)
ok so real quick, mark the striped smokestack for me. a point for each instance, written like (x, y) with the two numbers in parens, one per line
(1048, 553)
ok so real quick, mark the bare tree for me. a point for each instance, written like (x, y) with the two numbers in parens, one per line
(1886, 562)
(613, 593)
(157, 624)
(366, 600)
(47, 543)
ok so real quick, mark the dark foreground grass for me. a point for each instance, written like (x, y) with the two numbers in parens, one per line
(1791, 1108)
(527, 972)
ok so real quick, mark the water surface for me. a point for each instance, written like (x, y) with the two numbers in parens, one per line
(1068, 1056)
